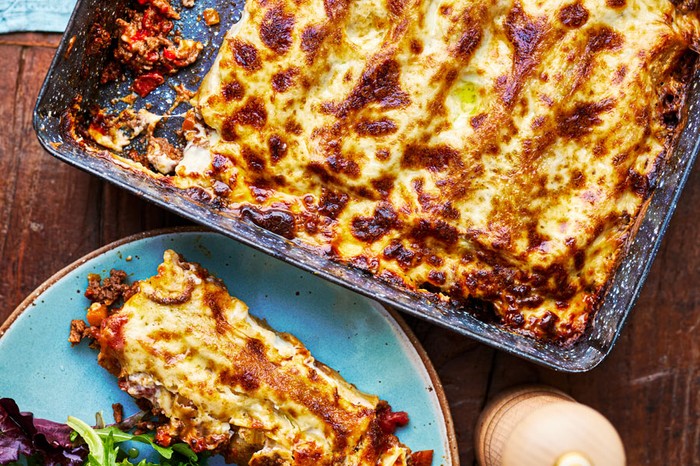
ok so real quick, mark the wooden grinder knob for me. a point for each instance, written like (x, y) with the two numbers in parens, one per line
(541, 426)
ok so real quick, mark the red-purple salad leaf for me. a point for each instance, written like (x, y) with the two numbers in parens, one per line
(22, 434)
(13, 439)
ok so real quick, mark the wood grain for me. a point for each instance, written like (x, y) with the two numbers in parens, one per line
(30, 39)
(51, 214)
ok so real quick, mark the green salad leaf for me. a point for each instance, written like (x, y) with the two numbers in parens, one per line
(105, 451)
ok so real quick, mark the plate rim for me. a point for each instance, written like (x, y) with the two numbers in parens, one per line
(393, 314)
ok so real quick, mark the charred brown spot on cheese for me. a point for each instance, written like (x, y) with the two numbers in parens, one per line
(380, 83)
(384, 185)
(578, 179)
(436, 277)
(604, 38)
(253, 113)
(261, 186)
(307, 456)
(573, 15)
(579, 258)
(276, 30)
(478, 120)
(534, 238)
(245, 54)
(396, 7)
(599, 39)
(221, 189)
(335, 9)
(341, 164)
(371, 229)
(416, 46)
(620, 74)
(639, 183)
(219, 163)
(311, 39)
(375, 432)
(277, 147)
(365, 263)
(526, 35)
(448, 211)
(405, 257)
(581, 120)
(616, 4)
(375, 128)
(284, 80)
(228, 129)
(534, 148)
(547, 323)
(254, 161)
(247, 380)
(446, 79)
(438, 230)
(278, 221)
(218, 301)
(382, 155)
(435, 158)
(685, 6)
(233, 91)
(332, 203)
(469, 40)
(322, 173)
(293, 127)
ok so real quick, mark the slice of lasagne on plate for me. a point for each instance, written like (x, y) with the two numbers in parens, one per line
(228, 383)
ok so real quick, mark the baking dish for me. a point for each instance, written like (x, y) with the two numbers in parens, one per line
(72, 76)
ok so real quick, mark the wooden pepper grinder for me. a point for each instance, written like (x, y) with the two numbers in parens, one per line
(541, 426)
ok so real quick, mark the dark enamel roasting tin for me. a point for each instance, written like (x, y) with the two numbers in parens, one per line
(72, 74)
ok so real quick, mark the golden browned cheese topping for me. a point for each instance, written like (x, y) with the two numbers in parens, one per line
(498, 151)
(228, 383)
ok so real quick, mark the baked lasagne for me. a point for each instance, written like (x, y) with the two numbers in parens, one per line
(493, 153)
(225, 382)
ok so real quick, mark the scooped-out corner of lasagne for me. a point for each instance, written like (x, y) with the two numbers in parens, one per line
(499, 153)
(225, 382)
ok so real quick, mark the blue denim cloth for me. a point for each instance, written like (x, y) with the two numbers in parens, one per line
(35, 15)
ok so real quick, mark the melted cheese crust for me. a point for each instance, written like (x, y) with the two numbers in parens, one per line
(495, 152)
(227, 382)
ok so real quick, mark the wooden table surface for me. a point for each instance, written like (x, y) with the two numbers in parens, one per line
(649, 388)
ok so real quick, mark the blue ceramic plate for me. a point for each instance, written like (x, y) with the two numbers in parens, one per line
(366, 344)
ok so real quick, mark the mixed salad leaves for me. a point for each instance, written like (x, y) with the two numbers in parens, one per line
(30, 441)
